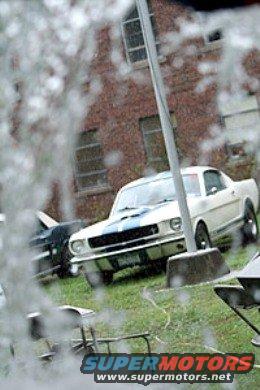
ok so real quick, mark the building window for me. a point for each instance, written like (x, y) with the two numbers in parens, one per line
(90, 170)
(240, 119)
(154, 142)
(133, 35)
(214, 35)
(211, 33)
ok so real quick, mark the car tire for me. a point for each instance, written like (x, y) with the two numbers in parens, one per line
(202, 237)
(97, 279)
(160, 265)
(250, 229)
(67, 270)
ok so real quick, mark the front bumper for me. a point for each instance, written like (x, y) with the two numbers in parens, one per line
(155, 250)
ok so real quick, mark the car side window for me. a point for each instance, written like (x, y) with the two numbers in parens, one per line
(213, 182)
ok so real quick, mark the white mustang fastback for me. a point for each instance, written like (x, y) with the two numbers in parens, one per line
(145, 225)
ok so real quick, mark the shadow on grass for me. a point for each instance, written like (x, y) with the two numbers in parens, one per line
(135, 274)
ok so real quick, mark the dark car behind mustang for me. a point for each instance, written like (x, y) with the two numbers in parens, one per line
(50, 246)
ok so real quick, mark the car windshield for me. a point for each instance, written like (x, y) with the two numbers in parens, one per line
(154, 192)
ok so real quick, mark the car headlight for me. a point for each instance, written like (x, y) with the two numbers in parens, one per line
(78, 246)
(176, 225)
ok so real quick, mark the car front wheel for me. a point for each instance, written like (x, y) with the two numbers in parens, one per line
(66, 268)
(202, 237)
(250, 230)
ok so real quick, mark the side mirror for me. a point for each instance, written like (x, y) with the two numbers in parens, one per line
(213, 191)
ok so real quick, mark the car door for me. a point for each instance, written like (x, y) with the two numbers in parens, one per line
(222, 203)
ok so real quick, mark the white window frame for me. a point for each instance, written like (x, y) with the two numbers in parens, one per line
(130, 50)
(90, 173)
(230, 144)
(202, 18)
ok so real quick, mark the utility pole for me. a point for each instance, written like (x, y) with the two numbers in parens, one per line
(166, 123)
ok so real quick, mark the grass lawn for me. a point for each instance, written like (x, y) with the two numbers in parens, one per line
(186, 320)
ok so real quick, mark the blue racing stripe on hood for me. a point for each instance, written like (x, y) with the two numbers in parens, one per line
(132, 221)
(112, 228)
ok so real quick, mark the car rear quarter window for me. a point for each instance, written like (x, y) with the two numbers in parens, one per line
(213, 179)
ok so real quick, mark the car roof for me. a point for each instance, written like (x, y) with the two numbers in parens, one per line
(192, 170)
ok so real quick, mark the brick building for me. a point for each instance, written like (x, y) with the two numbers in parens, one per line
(123, 126)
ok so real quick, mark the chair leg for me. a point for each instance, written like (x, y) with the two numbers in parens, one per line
(246, 320)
